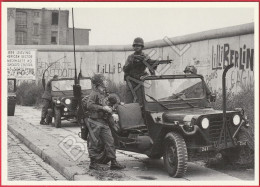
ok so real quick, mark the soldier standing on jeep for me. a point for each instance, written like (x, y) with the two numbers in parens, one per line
(98, 125)
(134, 69)
(46, 97)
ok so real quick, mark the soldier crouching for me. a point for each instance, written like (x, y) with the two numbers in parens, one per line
(98, 125)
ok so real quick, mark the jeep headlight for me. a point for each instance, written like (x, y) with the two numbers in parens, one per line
(65, 109)
(67, 101)
(58, 101)
(205, 123)
(236, 119)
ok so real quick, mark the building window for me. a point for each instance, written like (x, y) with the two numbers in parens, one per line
(54, 35)
(55, 18)
(36, 14)
(36, 29)
(20, 38)
(21, 19)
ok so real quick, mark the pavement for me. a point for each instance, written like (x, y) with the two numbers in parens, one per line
(66, 152)
(23, 164)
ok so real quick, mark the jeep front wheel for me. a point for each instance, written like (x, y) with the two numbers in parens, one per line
(57, 117)
(175, 155)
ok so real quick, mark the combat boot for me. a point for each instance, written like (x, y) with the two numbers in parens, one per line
(94, 165)
(115, 165)
(43, 122)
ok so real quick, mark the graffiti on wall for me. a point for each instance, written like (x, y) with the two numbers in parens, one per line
(241, 76)
(224, 55)
(109, 68)
(62, 68)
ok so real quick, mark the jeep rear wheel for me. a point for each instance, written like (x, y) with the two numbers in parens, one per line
(175, 155)
(57, 117)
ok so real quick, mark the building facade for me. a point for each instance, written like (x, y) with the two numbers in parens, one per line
(42, 27)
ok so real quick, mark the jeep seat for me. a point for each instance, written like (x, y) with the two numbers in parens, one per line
(130, 116)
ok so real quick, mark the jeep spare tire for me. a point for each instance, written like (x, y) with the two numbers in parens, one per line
(57, 117)
(175, 155)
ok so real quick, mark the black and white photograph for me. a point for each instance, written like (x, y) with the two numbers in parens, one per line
(130, 93)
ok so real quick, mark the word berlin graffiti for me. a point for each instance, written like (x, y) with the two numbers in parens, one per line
(241, 76)
(223, 56)
(21, 64)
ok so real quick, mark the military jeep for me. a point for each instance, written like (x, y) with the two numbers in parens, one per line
(11, 96)
(177, 122)
(64, 104)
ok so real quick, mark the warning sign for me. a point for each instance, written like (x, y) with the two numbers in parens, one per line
(21, 64)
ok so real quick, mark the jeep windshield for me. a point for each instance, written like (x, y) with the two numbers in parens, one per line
(183, 89)
(67, 85)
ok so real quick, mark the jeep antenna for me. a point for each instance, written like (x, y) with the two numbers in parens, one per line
(76, 86)
(76, 81)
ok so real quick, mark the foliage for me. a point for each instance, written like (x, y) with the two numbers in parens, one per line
(244, 100)
(29, 93)
(119, 89)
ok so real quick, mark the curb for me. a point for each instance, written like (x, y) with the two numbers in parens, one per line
(67, 172)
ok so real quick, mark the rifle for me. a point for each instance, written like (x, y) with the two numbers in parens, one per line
(155, 63)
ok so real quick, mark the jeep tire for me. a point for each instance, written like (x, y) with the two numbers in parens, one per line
(175, 155)
(57, 117)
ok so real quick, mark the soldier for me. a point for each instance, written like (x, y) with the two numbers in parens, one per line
(134, 69)
(46, 97)
(98, 126)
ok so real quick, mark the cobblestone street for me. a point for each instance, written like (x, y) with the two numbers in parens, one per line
(23, 164)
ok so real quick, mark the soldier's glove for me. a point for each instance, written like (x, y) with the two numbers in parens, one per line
(107, 109)
(115, 118)
(139, 58)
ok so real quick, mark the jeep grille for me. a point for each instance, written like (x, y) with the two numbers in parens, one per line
(215, 130)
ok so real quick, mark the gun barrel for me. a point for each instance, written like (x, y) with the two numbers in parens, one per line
(164, 61)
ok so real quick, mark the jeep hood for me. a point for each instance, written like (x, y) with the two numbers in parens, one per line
(188, 114)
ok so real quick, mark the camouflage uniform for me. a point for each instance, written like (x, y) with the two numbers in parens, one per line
(134, 68)
(99, 126)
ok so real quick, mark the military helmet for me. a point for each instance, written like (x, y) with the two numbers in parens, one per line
(138, 41)
(190, 69)
(98, 80)
(113, 99)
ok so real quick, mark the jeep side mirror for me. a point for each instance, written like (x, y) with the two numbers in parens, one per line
(212, 97)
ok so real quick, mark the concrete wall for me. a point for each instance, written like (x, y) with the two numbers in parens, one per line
(209, 51)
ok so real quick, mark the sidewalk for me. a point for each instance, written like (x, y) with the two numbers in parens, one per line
(53, 145)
